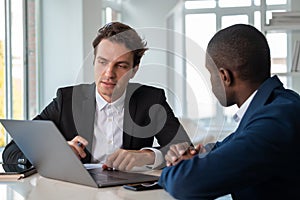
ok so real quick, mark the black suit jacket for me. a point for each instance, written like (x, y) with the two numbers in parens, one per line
(146, 115)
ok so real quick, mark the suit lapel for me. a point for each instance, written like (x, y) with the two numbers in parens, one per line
(130, 106)
(84, 105)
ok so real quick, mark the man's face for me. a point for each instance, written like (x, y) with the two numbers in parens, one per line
(113, 69)
(216, 83)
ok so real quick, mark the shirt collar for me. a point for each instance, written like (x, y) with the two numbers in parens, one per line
(242, 110)
(118, 104)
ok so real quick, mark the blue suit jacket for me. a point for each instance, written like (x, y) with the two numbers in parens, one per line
(260, 160)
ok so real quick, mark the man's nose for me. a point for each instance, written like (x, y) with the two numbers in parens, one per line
(110, 70)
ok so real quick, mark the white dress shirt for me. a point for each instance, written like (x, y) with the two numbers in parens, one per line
(108, 130)
(242, 110)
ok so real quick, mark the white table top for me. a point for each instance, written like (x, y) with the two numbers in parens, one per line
(36, 187)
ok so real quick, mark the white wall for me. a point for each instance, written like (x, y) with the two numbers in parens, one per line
(149, 19)
(67, 30)
(295, 85)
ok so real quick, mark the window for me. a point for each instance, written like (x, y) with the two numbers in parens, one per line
(111, 11)
(2, 72)
(234, 3)
(202, 18)
(201, 37)
(18, 61)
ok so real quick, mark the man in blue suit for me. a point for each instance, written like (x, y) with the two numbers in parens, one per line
(260, 160)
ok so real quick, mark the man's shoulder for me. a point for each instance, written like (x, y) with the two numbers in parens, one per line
(286, 98)
(282, 103)
(79, 86)
(137, 87)
(144, 93)
(80, 89)
(279, 94)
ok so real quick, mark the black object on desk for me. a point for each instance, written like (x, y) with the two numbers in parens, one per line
(142, 186)
(15, 171)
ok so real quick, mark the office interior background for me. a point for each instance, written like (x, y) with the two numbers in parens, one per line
(46, 44)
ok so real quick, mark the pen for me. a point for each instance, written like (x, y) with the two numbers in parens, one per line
(189, 149)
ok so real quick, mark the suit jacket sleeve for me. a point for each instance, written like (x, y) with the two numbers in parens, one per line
(252, 156)
(172, 132)
(150, 116)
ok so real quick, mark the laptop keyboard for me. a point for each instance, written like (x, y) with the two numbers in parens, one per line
(106, 178)
(100, 178)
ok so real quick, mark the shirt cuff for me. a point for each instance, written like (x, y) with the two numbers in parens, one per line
(158, 158)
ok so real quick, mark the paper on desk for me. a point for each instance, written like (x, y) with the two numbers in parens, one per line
(140, 169)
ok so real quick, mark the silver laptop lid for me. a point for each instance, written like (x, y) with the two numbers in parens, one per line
(46, 148)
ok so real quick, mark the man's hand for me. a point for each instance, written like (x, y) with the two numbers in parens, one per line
(182, 151)
(78, 144)
(125, 160)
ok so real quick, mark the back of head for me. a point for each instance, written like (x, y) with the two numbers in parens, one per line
(124, 34)
(243, 49)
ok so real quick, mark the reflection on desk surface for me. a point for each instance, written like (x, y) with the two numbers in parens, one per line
(36, 188)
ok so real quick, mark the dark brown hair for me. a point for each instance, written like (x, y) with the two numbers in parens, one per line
(122, 33)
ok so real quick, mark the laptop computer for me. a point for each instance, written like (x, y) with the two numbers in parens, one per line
(46, 148)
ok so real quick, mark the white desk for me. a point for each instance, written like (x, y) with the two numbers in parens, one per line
(36, 187)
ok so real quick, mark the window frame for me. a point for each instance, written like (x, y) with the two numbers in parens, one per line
(29, 109)
(116, 8)
(219, 12)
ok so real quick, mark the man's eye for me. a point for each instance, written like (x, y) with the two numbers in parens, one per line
(123, 66)
(102, 62)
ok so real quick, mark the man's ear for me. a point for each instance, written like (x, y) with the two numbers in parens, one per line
(134, 70)
(226, 76)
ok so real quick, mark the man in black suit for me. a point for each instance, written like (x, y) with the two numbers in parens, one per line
(111, 120)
